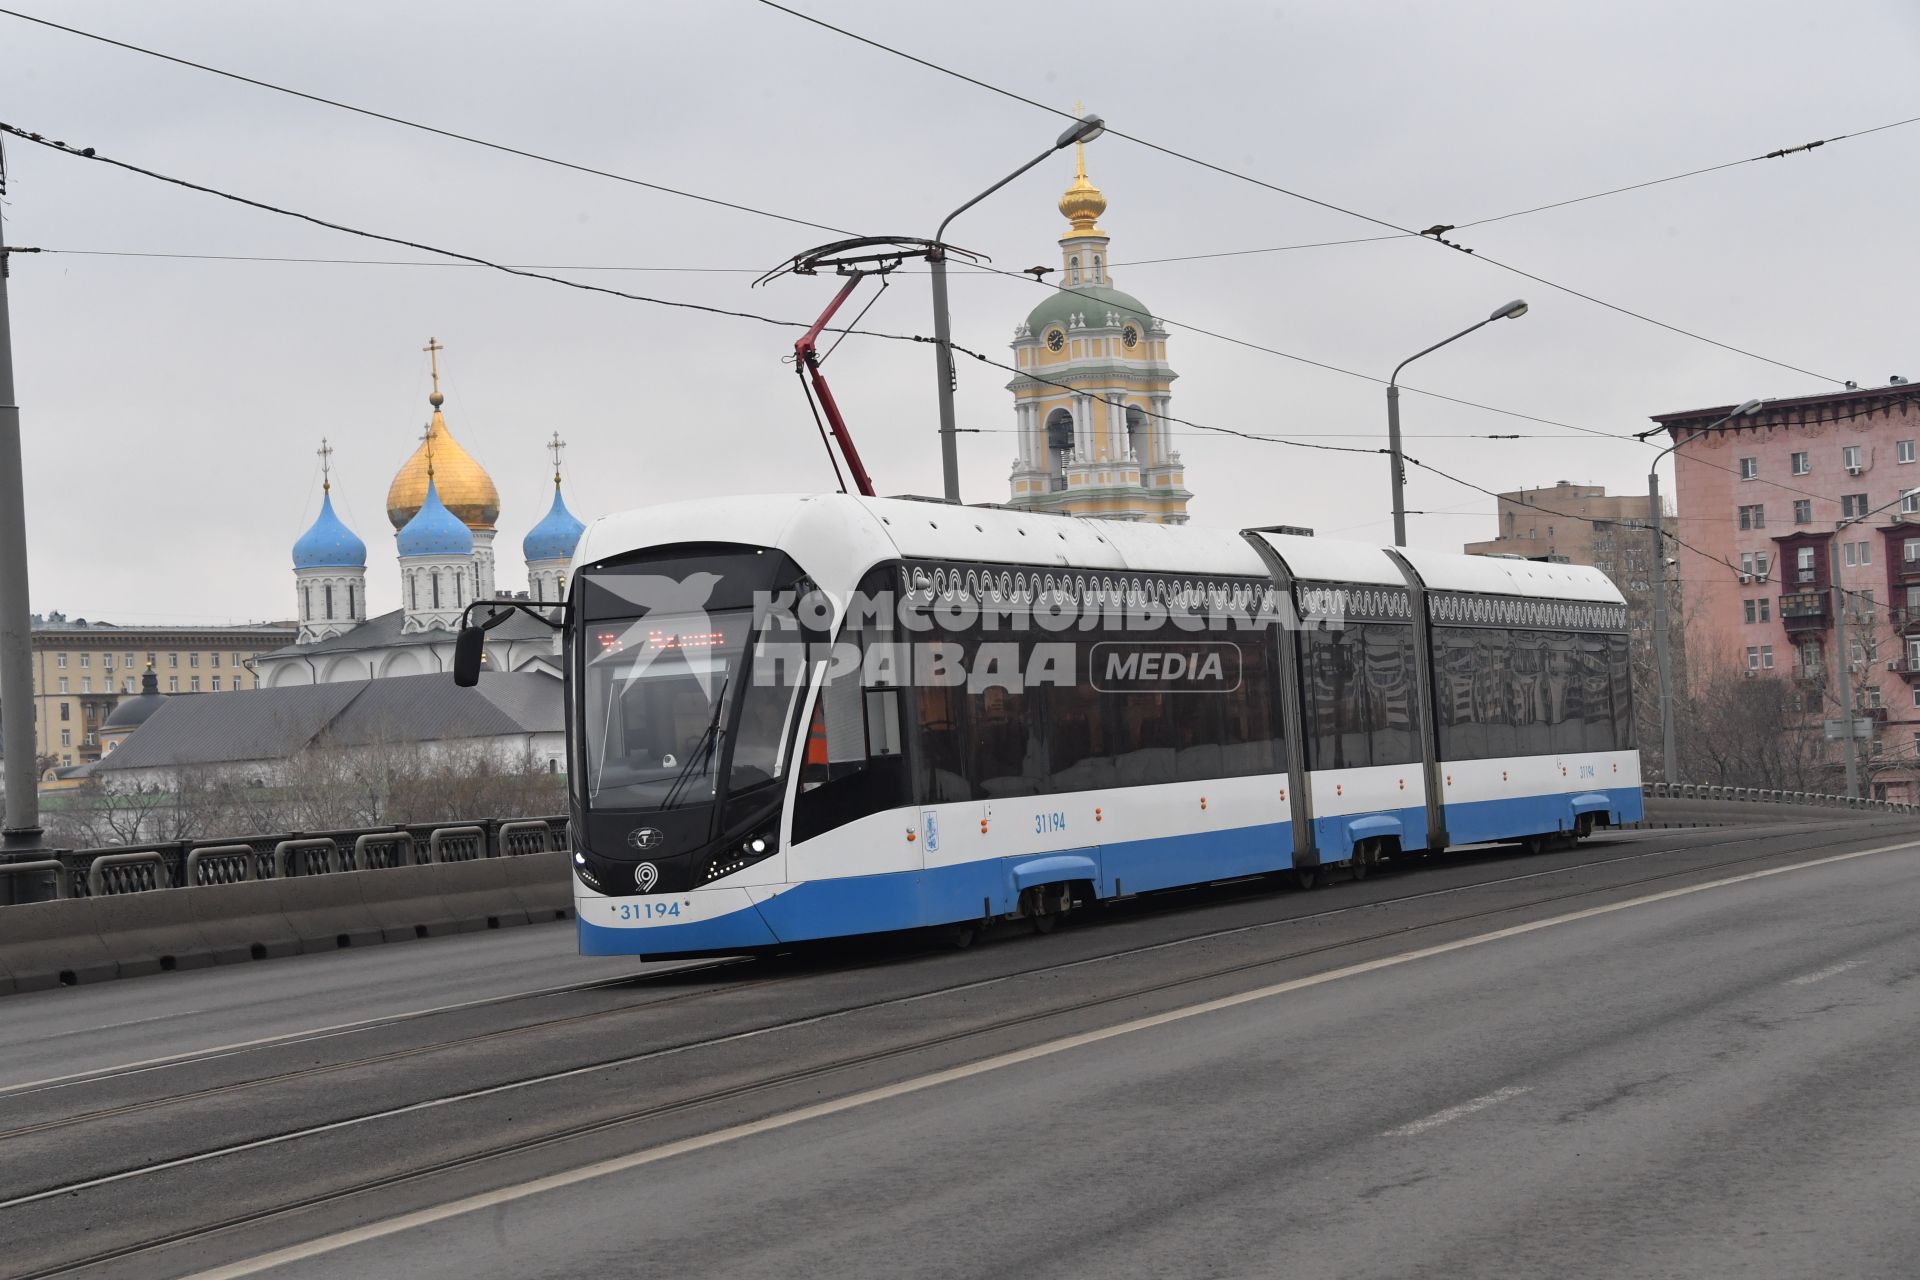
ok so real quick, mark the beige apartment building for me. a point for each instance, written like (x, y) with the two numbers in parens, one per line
(1584, 524)
(82, 669)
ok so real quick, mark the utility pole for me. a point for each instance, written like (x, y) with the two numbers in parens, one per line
(1843, 659)
(20, 829)
(1662, 651)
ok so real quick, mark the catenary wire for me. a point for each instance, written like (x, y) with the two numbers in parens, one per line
(91, 154)
(1299, 359)
(454, 135)
(525, 268)
(1642, 436)
(1293, 194)
(1411, 461)
(545, 159)
(424, 128)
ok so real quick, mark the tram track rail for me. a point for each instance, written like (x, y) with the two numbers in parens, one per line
(320, 1070)
(851, 1062)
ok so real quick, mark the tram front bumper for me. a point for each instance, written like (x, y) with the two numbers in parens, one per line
(694, 921)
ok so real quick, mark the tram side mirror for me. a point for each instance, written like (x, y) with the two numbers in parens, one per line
(468, 649)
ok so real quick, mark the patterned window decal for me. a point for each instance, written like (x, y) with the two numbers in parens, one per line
(1330, 601)
(1459, 609)
(1024, 586)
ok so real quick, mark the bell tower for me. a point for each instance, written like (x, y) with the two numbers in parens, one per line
(1093, 390)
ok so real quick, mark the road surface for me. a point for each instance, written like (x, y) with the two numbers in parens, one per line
(1660, 1054)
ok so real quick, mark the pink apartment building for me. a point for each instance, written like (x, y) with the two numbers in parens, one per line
(1765, 494)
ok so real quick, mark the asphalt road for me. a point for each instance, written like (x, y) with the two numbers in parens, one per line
(1663, 1054)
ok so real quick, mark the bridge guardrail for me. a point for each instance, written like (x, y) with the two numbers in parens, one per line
(117, 873)
(219, 864)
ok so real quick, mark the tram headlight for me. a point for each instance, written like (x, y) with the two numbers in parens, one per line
(585, 872)
(732, 858)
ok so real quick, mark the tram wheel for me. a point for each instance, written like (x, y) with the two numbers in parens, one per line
(1360, 863)
(963, 936)
(1305, 878)
(1044, 922)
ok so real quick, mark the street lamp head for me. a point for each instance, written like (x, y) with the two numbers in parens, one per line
(1512, 311)
(1085, 129)
(1745, 408)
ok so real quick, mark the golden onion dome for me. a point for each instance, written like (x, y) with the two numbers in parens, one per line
(463, 483)
(1083, 204)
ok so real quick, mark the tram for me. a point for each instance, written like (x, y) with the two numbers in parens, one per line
(804, 717)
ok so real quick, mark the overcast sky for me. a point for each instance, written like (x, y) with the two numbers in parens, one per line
(171, 408)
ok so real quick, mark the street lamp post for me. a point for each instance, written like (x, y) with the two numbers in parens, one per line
(1655, 521)
(1512, 311)
(1085, 129)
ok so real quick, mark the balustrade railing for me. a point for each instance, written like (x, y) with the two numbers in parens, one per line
(145, 868)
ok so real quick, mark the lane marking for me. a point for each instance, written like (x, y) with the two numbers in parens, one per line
(1821, 975)
(1450, 1114)
(933, 1080)
(217, 1052)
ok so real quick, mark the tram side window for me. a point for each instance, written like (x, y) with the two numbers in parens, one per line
(1505, 693)
(1456, 660)
(1079, 752)
(853, 761)
(1620, 676)
(1000, 735)
(1359, 696)
(1393, 693)
(1600, 734)
(1529, 692)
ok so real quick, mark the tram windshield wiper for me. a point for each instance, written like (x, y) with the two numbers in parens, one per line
(706, 748)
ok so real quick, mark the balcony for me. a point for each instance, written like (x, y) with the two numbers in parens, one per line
(1905, 667)
(1804, 611)
(1876, 714)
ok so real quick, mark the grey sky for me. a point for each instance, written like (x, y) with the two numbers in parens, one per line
(172, 408)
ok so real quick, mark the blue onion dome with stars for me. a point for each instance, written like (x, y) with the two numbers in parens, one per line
(434, 530)
(329, 544)
(558, 532)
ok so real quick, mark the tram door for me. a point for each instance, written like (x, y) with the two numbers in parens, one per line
(854, 758)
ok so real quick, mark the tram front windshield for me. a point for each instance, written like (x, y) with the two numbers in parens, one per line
(659, 694)
(687, 685)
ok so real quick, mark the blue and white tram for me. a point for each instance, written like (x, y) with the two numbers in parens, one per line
(761, 754)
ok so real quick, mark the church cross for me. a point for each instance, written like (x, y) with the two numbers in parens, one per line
(326, 465)
(554, 446)
(433, 350)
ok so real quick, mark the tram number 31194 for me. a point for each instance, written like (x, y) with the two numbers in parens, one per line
(1045, 822)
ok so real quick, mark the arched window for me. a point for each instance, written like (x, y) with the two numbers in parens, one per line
(1059, 445)
(436, 588)
(306, 602)
(1096, 268)
(352, 606)
(326, 593)
(457, 589)
(538, 584)
(1137, 435)
(413, 590)
(1073, 270)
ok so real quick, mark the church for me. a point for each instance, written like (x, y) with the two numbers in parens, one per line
(1092, 393)
(443, 506)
